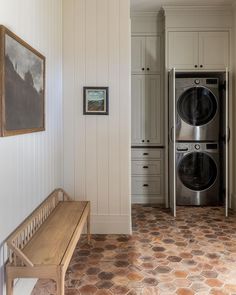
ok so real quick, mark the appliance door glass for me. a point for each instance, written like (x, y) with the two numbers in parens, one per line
(197, 171)
(197, 106)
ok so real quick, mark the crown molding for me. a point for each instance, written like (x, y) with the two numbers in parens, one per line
(193, 10)
(145, 13)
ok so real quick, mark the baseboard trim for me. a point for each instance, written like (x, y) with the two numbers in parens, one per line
(111, 224)
(24, 286)
(136, 199)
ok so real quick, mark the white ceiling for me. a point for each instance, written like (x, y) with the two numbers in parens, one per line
(150, 5)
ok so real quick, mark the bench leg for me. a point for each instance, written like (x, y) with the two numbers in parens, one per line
(88, 227)
(61, 285)
(9, 285)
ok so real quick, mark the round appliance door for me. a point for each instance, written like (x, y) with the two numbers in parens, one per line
(197, 106)
(197, 171)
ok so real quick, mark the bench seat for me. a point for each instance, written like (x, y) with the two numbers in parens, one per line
(54, 236)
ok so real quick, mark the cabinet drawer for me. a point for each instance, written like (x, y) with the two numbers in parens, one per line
(146, 154)
(146, 167)
(146, 185)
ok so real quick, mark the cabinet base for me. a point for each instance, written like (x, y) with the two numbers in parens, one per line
(154, 199)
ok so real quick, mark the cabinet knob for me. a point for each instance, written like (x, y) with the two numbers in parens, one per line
(145, 167)
(148, 69)
(142, 140)
(201, 66)
(143, 69)
(195, 66)
(148, 140)
(145, 185)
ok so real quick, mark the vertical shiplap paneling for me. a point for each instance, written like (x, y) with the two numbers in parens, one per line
(91, 121)
(98, 166)
(113, 125)
(125, 107)
(80, 73)
(102, 121)
(69, 84)
(31, 163)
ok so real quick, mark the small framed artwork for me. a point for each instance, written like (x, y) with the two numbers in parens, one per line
(22, 86)
(96, 100)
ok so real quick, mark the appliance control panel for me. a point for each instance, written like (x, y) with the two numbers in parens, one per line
(184, 147)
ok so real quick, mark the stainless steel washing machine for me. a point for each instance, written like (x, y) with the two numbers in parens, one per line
(197, 175)
(197, 109)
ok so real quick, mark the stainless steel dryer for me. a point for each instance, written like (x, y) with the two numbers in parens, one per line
(197, 109)
(197, 175)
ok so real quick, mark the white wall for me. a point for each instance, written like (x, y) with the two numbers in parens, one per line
(97, 148)
(31, 165)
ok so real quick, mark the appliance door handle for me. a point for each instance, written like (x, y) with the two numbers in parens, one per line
(171, 134)
(229, 134)
(227, 137)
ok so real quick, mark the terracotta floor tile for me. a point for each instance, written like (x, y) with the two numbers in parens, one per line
(192, 254)
(185, 291)
(88, 290)
(214, 283)
(180, 274)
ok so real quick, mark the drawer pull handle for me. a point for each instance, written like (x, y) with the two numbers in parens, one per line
(145, 154)
(145, 167)
(145, 185)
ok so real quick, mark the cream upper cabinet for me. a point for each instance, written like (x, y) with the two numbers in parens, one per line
(138, 55)
(198, 50)
(145, 55)
(153, 111)
(183, 50)
(213, 50)
(137, 110)
(152, 55)
(147, 111)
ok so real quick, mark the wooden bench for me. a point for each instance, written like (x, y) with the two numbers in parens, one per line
(42, 246)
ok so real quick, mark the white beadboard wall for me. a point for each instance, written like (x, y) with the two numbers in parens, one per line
(31, 165)
(96, 42)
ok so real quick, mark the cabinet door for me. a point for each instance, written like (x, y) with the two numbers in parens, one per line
(213, 50)
(153, 111)
(138, 55)
(183, 50)
(138, 97)
(153, 55)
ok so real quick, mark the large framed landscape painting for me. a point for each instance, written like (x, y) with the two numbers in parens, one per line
(22, 86)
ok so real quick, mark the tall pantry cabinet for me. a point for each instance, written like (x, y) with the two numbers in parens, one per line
(147, 137)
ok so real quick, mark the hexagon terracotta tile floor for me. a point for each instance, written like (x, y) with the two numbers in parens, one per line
(192, 254)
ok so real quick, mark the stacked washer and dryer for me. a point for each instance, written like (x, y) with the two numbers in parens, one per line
(197, 140)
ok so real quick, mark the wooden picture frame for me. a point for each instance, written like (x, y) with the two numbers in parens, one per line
(96, 100)
(22, 86)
